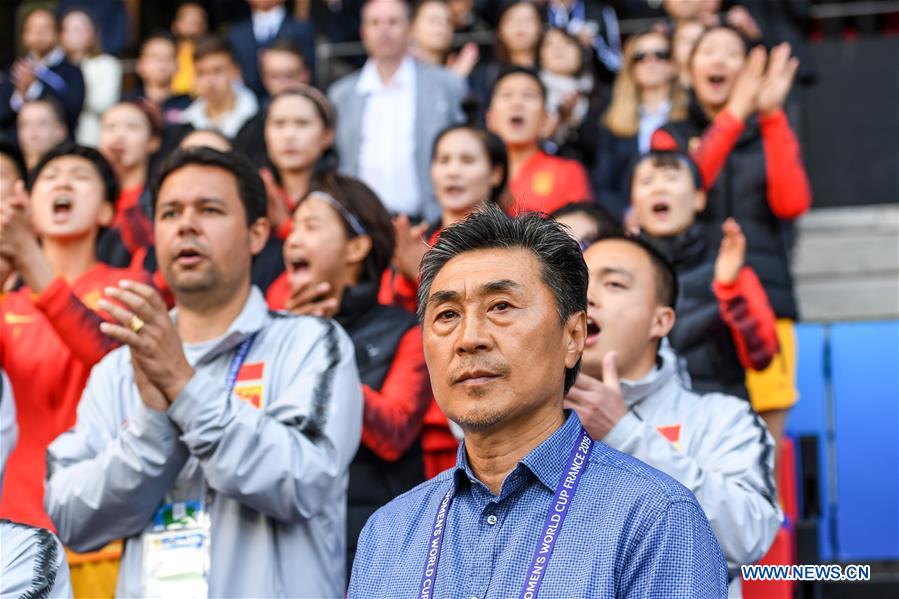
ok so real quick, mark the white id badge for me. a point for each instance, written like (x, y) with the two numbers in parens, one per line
(176, 552)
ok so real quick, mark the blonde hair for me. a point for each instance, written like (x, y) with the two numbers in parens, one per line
(622, 117)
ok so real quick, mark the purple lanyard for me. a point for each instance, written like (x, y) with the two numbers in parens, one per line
(237, 361)
(546, 543)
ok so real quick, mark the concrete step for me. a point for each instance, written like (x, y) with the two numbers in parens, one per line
(846, 263)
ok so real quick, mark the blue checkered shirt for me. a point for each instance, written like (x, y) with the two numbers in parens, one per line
(631, 531)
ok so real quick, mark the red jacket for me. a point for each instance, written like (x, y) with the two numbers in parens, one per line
(48, 345)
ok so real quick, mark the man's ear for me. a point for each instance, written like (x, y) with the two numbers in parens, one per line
(106, 214)
(358, 248)
(575, 338)
(699, 201)
(259, 232)
(662, 322)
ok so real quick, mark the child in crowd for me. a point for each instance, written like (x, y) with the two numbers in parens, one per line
(341, 242)
(752, 170)
(725, 324)
(129, 137)
(49, 332)
(537, 181)
(40, 125)
(468, 169)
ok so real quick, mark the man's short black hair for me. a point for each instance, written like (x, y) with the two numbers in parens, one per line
(33, 11)
(213, 44)
(405, 3)
(563, 267)
(666, 158)
(159, 34)
(510, 70)
(100, 164)
(665, 276)
(605, 223)
(249, 186)
(284, 45)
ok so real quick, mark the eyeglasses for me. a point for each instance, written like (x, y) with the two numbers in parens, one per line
(639, 57)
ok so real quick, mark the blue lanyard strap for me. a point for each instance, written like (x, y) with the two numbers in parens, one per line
(237, 361)
(546, 543)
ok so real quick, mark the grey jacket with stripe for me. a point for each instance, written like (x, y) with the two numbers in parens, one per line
(278, 473)
(713, 444)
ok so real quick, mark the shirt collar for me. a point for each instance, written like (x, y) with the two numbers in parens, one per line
(370, 81)
(662, 111)
(250, 320)
(547, 461)
(270, 18)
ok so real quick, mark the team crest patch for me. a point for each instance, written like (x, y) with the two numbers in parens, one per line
(672, 433)
(90, 299)
(543, 183)
(248, 386)
(693, 144)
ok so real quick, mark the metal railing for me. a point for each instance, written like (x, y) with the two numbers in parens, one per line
(327, 51)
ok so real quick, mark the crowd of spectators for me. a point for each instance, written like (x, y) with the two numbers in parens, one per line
(223, 174)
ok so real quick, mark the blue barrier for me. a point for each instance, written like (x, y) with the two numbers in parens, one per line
(865, 366)
(809, 417)
(858, 364)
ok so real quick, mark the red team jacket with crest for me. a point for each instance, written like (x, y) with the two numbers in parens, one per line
(48, 345)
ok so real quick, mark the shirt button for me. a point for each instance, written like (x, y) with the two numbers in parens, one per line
(491, 520)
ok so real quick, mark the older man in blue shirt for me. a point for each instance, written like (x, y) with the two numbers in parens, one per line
(533, 507)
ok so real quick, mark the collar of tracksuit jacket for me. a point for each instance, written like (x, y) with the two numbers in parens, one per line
(662, 374)
(250, 320)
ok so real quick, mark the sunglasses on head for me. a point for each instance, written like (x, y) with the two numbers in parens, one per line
(658, 54)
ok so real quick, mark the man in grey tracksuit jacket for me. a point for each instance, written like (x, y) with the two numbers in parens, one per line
(713, 444)
(278, 473)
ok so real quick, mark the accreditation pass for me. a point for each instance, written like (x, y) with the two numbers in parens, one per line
(176, 552)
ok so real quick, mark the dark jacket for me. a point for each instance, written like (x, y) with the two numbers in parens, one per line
(251, 139)
(246, 48)
(740, 191)
(64, 83)
(376, 331)
(610, 173)
(170, 109)
(700, 335)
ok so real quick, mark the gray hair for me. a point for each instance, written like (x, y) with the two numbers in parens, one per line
(563, 268)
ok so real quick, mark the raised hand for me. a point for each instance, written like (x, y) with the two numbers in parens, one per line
(731, 254)
(410, 246)
(778, 79)
(19, 247)
(743, 97)
(742, 20)
(22, 75)
(464, 62)
(599, 404)
(145, 326)
(310, 298)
